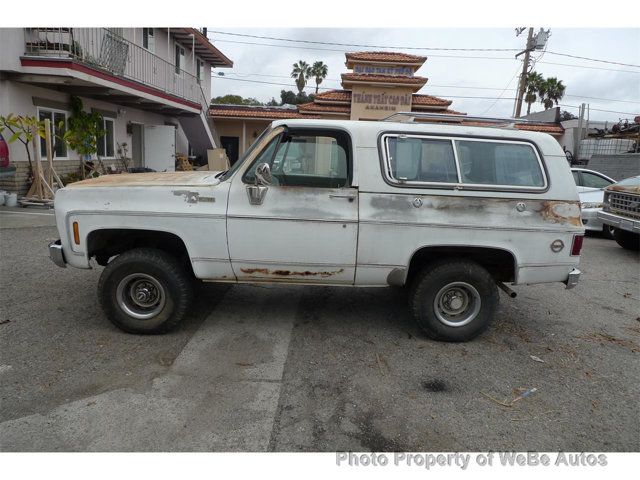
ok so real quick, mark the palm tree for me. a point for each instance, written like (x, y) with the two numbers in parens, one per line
(320, 71)
(301, 72)
(533, 81)
(551, 91)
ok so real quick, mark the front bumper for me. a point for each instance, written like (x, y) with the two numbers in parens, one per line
(573, 278)
(56, 254)
(617, 221)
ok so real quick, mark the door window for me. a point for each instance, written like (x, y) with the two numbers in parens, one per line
(306, 159)
(58, 121)
(594, 181)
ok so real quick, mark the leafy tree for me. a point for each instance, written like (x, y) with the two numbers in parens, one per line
(272, 103)
(319, 70)
(565, 115)
(533, 82)
(235, 100)
(23, 128)
(301, 72)
(83, 130)
(288, 97)
(551, 91)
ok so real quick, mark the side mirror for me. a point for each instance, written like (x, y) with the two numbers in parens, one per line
(263, 174)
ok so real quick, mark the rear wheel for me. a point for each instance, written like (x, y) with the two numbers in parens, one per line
(627, 240)
(145, 291)
(454, 300)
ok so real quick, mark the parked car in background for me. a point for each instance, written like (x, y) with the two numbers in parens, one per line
(621, 210)
(590, 185)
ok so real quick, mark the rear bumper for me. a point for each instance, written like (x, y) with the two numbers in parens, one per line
(56, 254)
(616, 221)
(573, 278)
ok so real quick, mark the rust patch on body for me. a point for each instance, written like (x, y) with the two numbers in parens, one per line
(625, 189)
(561, 212)
(289, 273)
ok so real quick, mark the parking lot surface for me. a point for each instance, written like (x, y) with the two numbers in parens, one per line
(287, 368)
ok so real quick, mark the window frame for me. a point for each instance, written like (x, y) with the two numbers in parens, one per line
(199, 70)
(179, 58)
(149, 32)
(583, 176)
(104, 139)
(318, 132)
(383, 152)
(54, 131)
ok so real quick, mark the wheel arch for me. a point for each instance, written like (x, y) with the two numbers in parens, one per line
(105, 243)
(500, 262)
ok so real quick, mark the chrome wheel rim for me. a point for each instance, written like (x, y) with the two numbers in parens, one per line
(140, 296)
(457, 303)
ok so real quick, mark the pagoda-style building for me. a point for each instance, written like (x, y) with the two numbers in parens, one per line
(378, 85)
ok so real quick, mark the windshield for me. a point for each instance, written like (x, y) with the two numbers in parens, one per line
(228, 173)
(633, 181)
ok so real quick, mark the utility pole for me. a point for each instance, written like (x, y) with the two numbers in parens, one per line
(534, 42)
(525, 69)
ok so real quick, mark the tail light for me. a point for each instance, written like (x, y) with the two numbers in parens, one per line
(576, 245)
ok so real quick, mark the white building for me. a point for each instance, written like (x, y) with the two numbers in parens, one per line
(151, 85)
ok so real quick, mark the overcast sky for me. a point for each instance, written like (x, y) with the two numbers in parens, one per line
(448, 77)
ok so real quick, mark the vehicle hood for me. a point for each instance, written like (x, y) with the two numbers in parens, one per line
(628, 185)
(595, 196)
(153, 179)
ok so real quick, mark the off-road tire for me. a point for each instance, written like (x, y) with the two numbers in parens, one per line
(175, 281)
(434, 277)
(627, 240)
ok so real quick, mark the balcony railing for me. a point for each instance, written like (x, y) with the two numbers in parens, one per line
(107, 50)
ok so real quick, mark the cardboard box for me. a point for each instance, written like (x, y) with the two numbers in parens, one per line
(217, 159)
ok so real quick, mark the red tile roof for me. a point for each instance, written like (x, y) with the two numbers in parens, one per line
(385, 57)
(428, 100)
(372, 78)
(334, 96)
(312, 107)
(266, 113)
(557, 129)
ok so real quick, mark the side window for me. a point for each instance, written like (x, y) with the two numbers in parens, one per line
(421, 160)
(594, 181)
(496, 163)
(306, 160)
(576, 179)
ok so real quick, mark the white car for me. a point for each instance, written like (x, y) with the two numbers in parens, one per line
(590, 185)
(454, 212)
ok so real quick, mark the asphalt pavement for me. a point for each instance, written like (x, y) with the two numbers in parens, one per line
(288, 368)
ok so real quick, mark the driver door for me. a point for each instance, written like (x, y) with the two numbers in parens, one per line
(303, 227)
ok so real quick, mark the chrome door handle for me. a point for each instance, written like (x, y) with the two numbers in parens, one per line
(348, 196)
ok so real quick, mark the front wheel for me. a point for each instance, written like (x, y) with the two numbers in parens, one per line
(454, 300)
(145, 291)
(627, 240)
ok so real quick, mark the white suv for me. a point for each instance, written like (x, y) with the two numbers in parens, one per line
(453, 212)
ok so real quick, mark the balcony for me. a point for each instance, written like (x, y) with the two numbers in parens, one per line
(105, 53)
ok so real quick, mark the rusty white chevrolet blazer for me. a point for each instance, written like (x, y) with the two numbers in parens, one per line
(452, 212)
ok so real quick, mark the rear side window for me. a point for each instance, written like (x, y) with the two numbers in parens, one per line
(411, 160)
(421, 160)
(497, 163)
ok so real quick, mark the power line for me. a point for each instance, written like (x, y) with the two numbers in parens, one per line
(366, 46)
(431, 86)
(593, 59)
(598, 109)
(315, 42)
(502, 92)
(477, 57)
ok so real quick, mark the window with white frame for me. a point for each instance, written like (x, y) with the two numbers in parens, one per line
(106, 142)
(199, 69)
(149, 39)
(58, 119)
(179, 58)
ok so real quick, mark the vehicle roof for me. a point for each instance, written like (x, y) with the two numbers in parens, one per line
(546, 142)
(438, 128)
